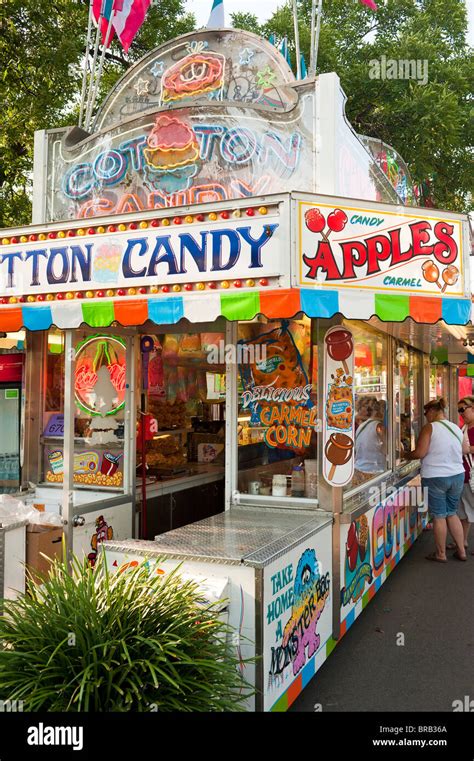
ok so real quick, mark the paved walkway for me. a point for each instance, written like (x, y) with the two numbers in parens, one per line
(432, 604)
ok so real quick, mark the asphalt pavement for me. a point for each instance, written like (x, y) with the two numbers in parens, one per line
(432, 605)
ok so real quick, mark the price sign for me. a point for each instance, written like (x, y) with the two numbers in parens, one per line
(54, 426)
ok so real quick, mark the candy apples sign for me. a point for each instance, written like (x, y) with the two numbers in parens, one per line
(380, 249)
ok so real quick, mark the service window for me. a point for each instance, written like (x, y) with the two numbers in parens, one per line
(99, 401)
(408, 399)
(277, 417)
(371, 404)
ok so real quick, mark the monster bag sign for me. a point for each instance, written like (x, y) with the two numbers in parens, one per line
(382, 250)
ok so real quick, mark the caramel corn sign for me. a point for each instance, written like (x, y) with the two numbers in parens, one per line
(338, 406)
(380, 250)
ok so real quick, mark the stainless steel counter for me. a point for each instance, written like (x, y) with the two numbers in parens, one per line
(242, 535)
(202, 473)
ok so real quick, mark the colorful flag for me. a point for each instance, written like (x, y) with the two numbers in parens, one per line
(128, 16)
(304, 70)
(216, 17)
(370, 4)
(102, 9)
(284, 50)
(272, 39)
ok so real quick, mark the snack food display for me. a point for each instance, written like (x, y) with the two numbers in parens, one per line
(168, 414)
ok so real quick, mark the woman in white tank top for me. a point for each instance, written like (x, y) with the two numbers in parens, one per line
(439, 447)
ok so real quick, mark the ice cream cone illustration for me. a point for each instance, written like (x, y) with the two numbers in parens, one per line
(172, 154)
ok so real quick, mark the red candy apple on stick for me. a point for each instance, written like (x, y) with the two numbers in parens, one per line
(337, 220)
(339, 345)
(315, 221)
(338, 451)
(352, 547)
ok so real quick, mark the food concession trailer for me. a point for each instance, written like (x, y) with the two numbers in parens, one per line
(265, 351)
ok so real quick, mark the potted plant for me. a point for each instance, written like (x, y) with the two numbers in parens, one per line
(91, 640)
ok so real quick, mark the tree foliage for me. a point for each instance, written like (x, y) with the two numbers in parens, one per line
(42, 47)
(430, 124)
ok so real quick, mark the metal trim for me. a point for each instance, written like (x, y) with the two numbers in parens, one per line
(259, 629)
(336, 577)
(103, 504)
(2, 562)
(231, 414)
(67, 496)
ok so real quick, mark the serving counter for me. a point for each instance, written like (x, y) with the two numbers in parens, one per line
(278, 566)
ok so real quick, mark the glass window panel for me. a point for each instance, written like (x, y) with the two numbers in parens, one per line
(277, 419)
(371, 404)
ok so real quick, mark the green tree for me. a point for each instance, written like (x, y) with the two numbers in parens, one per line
(42, 46)
(430, 124)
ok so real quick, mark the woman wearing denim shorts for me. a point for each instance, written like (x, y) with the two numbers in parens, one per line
(439, 447)
(466, 505)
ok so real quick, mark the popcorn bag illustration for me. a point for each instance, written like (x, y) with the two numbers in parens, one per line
(274, 362)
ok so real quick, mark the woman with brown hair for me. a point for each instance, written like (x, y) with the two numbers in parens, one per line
(439, 447)
(466, 504)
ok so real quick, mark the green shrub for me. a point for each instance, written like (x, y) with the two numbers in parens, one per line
(97, 641)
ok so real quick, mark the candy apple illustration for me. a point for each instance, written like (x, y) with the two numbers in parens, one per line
(352, 547)
(337, 220)
(314, 220)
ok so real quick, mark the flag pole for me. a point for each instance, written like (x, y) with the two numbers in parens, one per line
(312, 67)
(297, 40)
(86, 62)
(101, 66)
(94, 62)
(318, 28)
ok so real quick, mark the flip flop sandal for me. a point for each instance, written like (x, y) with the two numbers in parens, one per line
(433, 556)
(457, 556)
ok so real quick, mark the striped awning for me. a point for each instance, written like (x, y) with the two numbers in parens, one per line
(244, 305)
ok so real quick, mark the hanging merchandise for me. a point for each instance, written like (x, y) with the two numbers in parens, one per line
(156, 380)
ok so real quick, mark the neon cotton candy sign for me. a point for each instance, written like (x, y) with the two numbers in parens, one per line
(174, 152)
